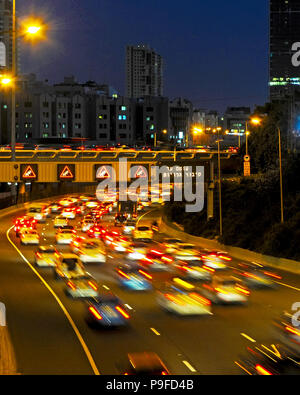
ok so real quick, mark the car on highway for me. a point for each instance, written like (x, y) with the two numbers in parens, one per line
(92, 251)
(194, 270)
(145, 364)
(136, 251)
(258, 276)
(226, 290)
(142, 233)
(55, 207)
(92, 203)
(183, 300)
(96, 232)
(29, 237)
(38, 212)
(120, 219)
(129, 226)
(119, 244)
(24, 223)
(86, 224)
(133, 277)
(107, 310)
(68, 212)
(68, 266)
(286, 332)
(269, 360)
(185, 251)
(171, 244)
(60, 222)
(65, 235)
(45, 256)
(66, 202)
(158, 261)
(83, 286)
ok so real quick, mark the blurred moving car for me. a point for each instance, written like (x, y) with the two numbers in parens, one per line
(54, 207)
(158, 261)
(107, 310)
(82, 287)
(45, 256)
(29, 236)
(185, 251)
(120, 219)
(68, 266)
(258, 276)
(60, 222)
(129, 226)
(226, 289)
(287, 332)
(271, 360)
(194, 270)
(136, 251)
(134, 278)
(92, 251)
(65, 235)
(68, 212)
(24, 223)
(171, 244)
(145, 364)
(38, 212)
(142, 233)
(183, 300)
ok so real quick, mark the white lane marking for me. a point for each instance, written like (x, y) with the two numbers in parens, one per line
(128, 307)
(189, 366)
(288, 286)
(248, 337)
(155, 331)
(105, 287)
(65, 311)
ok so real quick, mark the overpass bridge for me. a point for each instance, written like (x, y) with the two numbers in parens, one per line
(86, 167)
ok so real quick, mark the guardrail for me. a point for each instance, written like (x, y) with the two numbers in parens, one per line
(104, 156)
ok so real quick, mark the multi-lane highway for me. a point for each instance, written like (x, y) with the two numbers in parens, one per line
(50, 335)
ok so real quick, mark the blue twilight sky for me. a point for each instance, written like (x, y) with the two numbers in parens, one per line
(215, 52)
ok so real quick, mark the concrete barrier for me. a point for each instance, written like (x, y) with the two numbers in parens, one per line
(288, 265)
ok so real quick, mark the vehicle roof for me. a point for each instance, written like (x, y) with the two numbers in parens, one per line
(68, 256)
(47, 247)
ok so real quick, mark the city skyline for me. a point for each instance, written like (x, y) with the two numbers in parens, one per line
(235, 74)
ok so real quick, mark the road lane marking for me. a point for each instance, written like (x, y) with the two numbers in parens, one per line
(65, 311)
(288, 286)
(142, 216)
(128, 307)
(248, 337)
(242, 367)
(189, 366)
(155, 331)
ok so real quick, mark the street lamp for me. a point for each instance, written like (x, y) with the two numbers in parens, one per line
(220, 188)
(31, 30)
(254, 121)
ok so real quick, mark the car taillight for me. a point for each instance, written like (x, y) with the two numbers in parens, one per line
(157, 252)
(122, 312)
(95, 313)
(243, 290)
(71, 285)
(263, 371)
(167, 259)
(225, 258)
(92, 285)
(38, 255)
(273, 275)
(123, 274)
(292, 330)
(209, 269)
(164, 373)
(200, 299)
(145, 274)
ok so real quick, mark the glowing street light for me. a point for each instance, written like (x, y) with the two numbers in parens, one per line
(5, 80)
(33, 29)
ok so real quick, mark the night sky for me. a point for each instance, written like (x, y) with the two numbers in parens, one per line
(215, 51)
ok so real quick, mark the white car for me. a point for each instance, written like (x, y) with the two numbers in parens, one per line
(185, 251)
(92, 203)
(37, 213)
(82, 287)
(60, 222)
(66, 202)
(92, 251)
(214, 264)
(87, 224)
(68, 266)
(64, 236)
(45, 256)
(226, 290)
(68, 213)
(184, 304)
(129, 227)
(193, 270)
(136, 251)
(29, 236)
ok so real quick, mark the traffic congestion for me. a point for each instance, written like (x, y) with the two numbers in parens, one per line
(101, 256)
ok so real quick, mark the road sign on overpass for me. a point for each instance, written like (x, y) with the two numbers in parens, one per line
(88, 166)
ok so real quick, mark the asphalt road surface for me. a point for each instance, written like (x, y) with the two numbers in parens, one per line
(50, 335)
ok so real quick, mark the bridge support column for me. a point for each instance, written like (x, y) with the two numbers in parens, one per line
(210, 192)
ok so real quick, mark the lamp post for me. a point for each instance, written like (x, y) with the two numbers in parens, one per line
(220, 189)
(280, 172)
